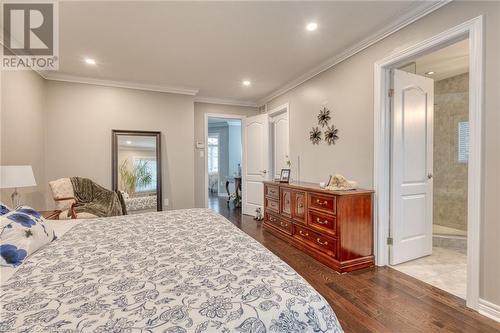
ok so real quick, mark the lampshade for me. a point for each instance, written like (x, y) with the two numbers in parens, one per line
(12, 176)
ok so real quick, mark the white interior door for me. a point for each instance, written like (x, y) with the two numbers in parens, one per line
(411, 167)
(255, 162)
(281, 149)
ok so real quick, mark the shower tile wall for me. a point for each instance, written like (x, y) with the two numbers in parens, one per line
(450, 176)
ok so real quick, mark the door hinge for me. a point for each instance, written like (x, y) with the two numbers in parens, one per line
(389, 240)
(391, 92)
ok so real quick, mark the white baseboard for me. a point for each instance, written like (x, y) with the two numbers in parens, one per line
(489, 310)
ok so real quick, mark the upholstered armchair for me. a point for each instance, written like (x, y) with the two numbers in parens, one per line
(65, 201)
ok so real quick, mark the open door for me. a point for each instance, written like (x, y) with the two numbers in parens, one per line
(279, 143)
(255, 162)
(411, 167)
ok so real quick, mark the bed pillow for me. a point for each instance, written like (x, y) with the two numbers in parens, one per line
(23, 232)
(4, 209)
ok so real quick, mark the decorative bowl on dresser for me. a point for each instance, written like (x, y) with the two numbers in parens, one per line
(334, 227)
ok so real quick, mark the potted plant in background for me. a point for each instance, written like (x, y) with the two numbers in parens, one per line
(133, 177)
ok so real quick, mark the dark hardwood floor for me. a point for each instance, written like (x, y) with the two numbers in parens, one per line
(373, 300)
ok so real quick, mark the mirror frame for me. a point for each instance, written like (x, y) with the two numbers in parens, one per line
(114, 157)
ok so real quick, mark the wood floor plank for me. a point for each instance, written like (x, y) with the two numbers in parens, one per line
(380, 299)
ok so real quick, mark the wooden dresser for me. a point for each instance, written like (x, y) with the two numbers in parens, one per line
(334, 227)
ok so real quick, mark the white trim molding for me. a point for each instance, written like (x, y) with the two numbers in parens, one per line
(423, 9)
(489, 310)
(279, 109)
(119, 84)
(224, 101)
(473, 29)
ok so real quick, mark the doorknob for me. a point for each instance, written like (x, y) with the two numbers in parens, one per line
(264, 171)
(429, 175)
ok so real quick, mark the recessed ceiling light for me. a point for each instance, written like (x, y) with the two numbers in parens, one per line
(430, 73)
(312, 26)
(246, 83)
(128, 142)
(90, 61)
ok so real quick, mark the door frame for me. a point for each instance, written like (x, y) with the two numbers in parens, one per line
(473, 29)
(283, 108)
(205, 129)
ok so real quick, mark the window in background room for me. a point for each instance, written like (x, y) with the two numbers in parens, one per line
(213, 153)
(463, 141)
(149, 166)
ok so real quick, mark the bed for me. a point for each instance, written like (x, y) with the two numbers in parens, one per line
(140, 204)
(177, 271)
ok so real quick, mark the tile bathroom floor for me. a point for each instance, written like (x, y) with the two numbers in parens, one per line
(445, 269)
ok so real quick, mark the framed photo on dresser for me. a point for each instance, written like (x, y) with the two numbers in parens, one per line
(285, 176)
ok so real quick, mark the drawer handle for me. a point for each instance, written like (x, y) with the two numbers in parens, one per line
(318, 220)
(320, 242)
(283, 224)
(303, 234)
(321, 203)
(272, 220)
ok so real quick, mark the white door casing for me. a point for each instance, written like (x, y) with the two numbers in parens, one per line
(411, 166)
(256, 166)
(280, 144)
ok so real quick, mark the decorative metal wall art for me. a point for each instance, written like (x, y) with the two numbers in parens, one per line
(330, 133)
(324, 117)
(315, 135)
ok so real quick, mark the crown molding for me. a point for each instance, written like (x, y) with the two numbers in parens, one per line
(425, 8)
(224, 101)
(119, 84)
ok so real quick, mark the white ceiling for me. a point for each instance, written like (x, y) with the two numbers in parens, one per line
(213, 46)
(126, 142)
(446, 62)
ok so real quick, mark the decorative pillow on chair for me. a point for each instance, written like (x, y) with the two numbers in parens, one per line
(62, 192)
(23, 232)
(4, 209)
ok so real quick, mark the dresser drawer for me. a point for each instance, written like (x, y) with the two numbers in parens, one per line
(279, 223)
(325, 203)
(322, 222)
(325, 244)
(272, 205)
(271, 191)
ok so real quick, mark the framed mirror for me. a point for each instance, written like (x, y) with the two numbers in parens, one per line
(136, 169)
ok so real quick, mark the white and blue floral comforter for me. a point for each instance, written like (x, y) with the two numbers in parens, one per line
(178, 271)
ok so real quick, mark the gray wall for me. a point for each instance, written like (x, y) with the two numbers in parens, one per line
(22, 131)
(200, 109)
(347, 89)
(451, 98)
(79, 120)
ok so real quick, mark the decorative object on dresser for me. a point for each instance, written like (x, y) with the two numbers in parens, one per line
(15, 176)
(334, 227)
(340, 183)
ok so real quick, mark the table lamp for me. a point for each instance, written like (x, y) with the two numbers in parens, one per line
(15, 176)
